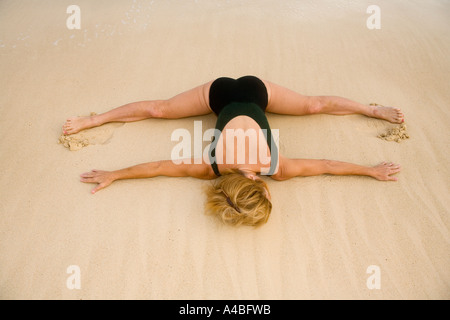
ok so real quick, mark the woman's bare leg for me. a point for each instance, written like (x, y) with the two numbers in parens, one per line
(127, 113)
(194, 102)
(285, 101)
(343, 106)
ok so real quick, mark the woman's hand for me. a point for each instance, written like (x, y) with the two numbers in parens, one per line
(385, 170)
(102, 178)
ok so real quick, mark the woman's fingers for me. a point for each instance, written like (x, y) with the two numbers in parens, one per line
(386, 170)
(396, 169)
(97, 188)
(102, 178)
(390, 165)
(94, 176)
(91, 174)
(101, 186)
(87, 175)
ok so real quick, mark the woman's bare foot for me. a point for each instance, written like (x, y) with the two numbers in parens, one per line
(76, 124)
(390, 114)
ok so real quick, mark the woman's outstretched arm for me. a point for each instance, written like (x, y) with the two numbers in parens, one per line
(290, 168)
(148, 170)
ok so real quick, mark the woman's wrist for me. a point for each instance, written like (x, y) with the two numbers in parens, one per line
(371, 172)
(116, 175)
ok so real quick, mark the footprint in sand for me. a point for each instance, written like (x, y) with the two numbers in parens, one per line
(92, 136)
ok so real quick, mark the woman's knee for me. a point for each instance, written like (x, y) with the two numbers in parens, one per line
(315, 105)
(157, 108)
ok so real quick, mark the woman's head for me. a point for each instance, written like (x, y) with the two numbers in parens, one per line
(238, 199)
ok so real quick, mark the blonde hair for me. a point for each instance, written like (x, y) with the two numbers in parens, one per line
(238, 200)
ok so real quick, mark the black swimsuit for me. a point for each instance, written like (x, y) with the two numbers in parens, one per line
(246, 96)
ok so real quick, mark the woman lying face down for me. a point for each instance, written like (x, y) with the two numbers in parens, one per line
(238, 196)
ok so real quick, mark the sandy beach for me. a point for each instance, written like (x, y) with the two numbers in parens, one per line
(150, 238)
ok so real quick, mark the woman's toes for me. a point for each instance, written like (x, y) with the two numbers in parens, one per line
(66, 127)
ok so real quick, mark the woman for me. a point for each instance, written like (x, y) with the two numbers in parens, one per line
(239, 196)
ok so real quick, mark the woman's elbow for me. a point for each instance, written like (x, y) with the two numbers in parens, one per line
(282, 175)
(279, 178)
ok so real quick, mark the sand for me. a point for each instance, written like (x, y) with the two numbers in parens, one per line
(149, 239)
(397, 134)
